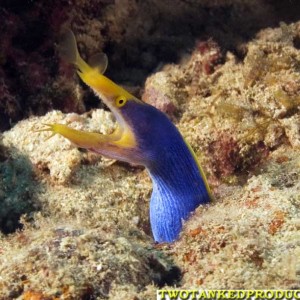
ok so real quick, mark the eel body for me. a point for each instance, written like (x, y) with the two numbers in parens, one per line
(144, 136)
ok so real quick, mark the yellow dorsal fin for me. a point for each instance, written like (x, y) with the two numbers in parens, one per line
(68, 50)
(91, 73)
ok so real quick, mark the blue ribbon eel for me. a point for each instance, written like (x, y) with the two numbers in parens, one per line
(144, 136)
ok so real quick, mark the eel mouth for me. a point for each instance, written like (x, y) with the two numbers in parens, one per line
(108, 92)
(121, 143)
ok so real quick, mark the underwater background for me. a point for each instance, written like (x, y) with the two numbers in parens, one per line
(75, 225)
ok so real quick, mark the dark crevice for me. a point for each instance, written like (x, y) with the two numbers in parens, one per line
(153, 35)
(164, 276)
(296, 42)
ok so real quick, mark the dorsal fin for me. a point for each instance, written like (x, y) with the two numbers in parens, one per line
(99, 62)
(67, 47)
(68, 50)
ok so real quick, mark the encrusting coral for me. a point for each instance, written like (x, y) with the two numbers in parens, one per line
(91, 237)
(255, 236)
(258, 110)
(75, 262)
(101, 204)
(16, 186)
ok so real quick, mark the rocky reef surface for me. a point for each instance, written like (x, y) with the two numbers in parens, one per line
(74, 225)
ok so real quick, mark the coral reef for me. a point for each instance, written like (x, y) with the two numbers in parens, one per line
(256, 104)
(78, 263)
(159, 92)
(87, 203)
(16, 187)
(79, 223)
(254, 239)
(138, 36)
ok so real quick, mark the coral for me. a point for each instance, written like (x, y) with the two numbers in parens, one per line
(16, 190)
(76, 263)
(159, 92)
(255, 233)
(246, 110)
(47, 160)
(91, 231)
(203, 62)
(234, 94)
(225, 156)
(138, 36)
(59, 160)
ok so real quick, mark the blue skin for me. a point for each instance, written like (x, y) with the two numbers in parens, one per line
(178, 187)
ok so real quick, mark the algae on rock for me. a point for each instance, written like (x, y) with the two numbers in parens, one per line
(240, 112)
(16, 189)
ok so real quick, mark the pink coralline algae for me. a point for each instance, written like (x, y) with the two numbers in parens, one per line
(210, 56)
(158, 92)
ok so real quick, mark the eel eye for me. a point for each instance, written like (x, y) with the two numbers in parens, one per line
(120, 101)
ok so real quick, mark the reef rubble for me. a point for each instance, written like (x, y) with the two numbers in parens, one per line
(75, 225)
